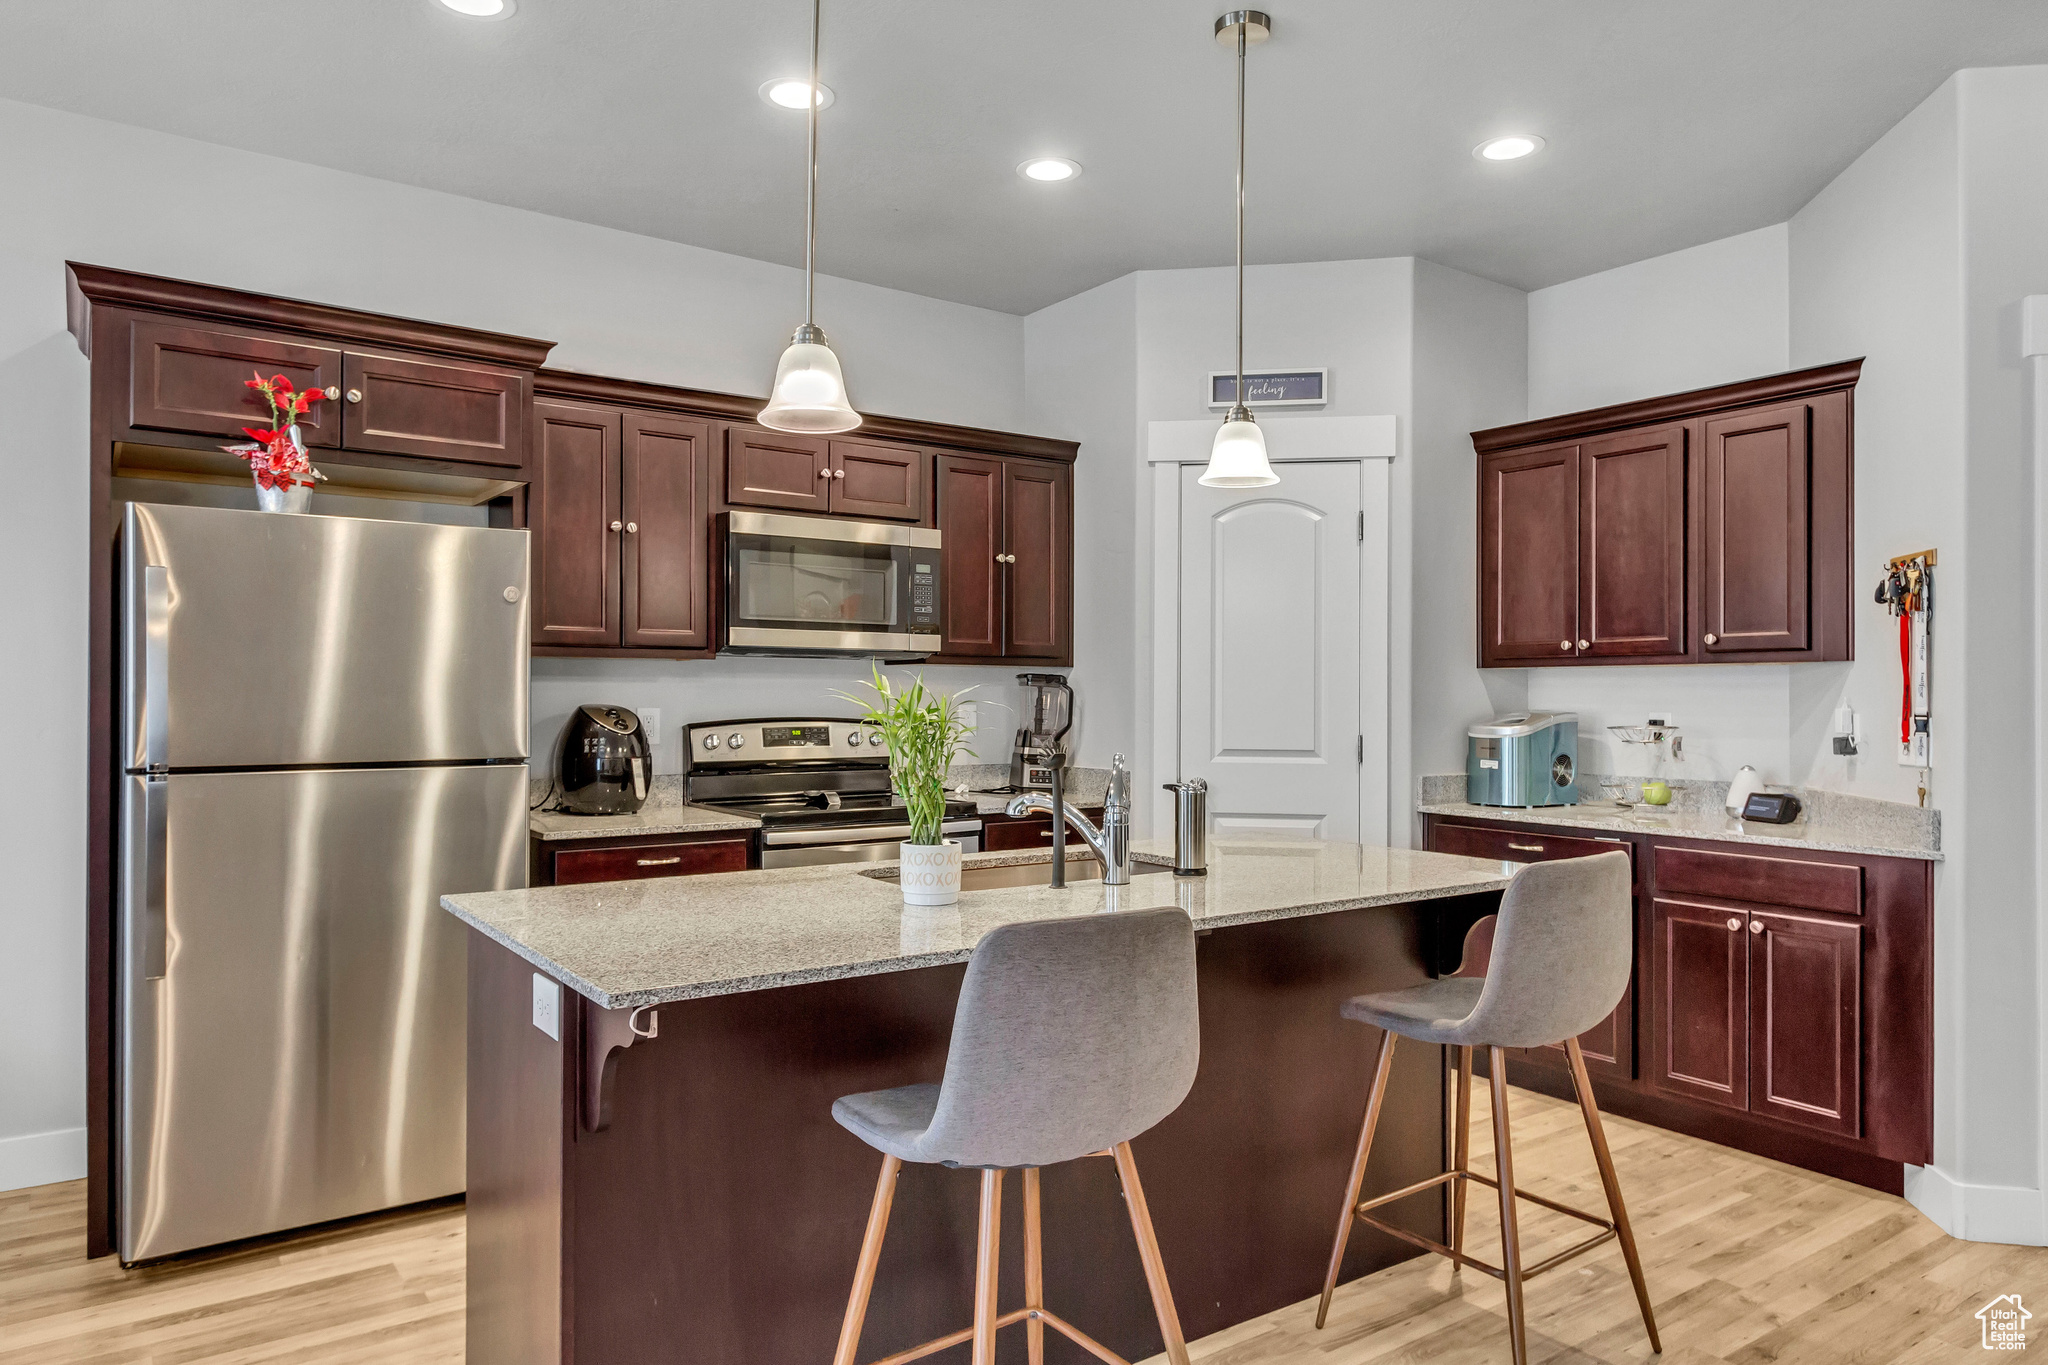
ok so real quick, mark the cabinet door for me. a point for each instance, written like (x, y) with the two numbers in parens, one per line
(878, 481)
(192, 379)
(439, 412)
(1529, 556)
(622, 862)
(774, 469)
(572, 505)
(665, 581)
(1757, 531)
(1038, 538)
(1700, 979)
(1805, 1021)
(1632, 544)
(971, 536)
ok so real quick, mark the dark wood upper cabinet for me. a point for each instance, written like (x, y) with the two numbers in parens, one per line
(884, 482)
(1632, 544)
(776, 470)
(664, 556)
(572, 505)
(1529, 556)
(1714, 525)
(1758, 531)
(971, 537)
(193, 379)
(394, 406)
(1805, 1021)
(1701, 975)
(1038, 528)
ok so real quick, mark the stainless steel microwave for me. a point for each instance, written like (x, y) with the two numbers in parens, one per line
(823, 585)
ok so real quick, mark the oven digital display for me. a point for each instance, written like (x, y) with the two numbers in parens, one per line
(797, 736)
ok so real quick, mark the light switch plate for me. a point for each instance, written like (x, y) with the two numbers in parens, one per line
(650, 721)
(547, 1006)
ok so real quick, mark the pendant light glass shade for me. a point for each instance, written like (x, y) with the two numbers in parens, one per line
(1238, 457)
(809, 395)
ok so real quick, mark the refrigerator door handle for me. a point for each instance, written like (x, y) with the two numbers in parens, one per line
(156, 666)
(156, 857)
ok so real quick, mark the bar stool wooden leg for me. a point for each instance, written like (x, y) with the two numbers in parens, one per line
(1034, 1269)
(985, 1264)
(1582, 1085)
(1148, 1253)
(1463, 1160)
(870, 1255)
(1380, 1070)
(1510, 1235)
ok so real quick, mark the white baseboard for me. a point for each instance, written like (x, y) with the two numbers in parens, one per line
(2011, 1214)
(42, 1158)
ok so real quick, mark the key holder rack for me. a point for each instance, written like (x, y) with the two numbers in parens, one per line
(1907, 592)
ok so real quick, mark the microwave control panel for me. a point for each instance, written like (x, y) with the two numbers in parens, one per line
(924, 593)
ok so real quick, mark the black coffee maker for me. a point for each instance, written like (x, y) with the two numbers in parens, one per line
(605, 762)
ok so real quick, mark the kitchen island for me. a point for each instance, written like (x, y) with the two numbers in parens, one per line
(654, 1173)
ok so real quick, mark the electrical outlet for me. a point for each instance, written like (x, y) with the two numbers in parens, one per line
(547, 1006)
(650, 721)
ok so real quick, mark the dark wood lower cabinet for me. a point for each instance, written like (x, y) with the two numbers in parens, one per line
(1002, 834)
(1786, 996)
(625, 858)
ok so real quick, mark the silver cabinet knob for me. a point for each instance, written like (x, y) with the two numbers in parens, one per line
(615, 525)
(1585, 644)
(632, 528)
(1734, 923)
(824, 473)
(838, 473)
(1564, 644)
(355, 395)
(332, 391)
(1711, 638)
(1756, 926)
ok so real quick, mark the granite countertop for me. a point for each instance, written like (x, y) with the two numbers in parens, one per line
(1842, 834)
(671, 818)
(627, 944)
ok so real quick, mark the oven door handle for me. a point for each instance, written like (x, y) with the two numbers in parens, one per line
(858, 834)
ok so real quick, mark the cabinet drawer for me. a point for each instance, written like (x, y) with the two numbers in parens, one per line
(1516, 846)
(630, 862)
(1796, 882)
(1000, 833)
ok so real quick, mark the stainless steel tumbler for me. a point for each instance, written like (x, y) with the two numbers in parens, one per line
(1190, 827)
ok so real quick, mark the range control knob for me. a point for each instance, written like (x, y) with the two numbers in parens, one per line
(735, 740)
(853, 739)
(875, 737)
(710, 741)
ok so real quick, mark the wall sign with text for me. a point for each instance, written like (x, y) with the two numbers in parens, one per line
(1270, 388)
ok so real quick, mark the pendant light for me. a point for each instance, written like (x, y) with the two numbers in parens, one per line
(809, 394)
(1238, 457)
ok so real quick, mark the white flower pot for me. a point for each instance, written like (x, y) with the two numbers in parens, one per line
(930, 872)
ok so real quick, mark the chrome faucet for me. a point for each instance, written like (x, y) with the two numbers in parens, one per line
(1111, 844)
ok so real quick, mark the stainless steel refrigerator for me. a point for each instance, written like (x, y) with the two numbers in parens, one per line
(325, 725)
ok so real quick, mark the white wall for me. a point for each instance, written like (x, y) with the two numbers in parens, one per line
(618, 304)
(1707, 315)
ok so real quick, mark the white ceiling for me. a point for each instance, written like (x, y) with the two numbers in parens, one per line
(1669, 124)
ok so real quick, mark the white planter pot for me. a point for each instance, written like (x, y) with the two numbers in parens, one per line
(930, 872)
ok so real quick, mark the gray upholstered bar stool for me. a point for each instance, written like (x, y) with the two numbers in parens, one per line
(1560, 962)
(1072, 1036)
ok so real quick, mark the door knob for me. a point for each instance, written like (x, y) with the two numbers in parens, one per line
(1564, 644)
(632, 527)
(1711, 637)
(615, 526)
(1756, 926)
(355, 395)
(1734, 923)
(332, 392)
(1585, 644)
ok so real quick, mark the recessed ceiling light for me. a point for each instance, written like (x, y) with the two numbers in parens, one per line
(481, 9)
(1049, 168)
(1508, 148)
(787, 92)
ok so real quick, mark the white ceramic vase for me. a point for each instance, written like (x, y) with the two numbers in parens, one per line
(930, 872)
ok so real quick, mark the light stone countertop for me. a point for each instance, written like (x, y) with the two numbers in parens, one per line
(651, 819)
(1843, 834)
(627, 944)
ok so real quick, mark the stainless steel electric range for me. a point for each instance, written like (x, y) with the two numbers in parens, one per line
(819, 787)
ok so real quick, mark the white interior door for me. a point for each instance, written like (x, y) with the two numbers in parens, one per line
(1270, 650)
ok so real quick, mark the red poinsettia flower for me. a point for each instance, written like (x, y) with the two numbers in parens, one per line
(259, 435)
(280, 383)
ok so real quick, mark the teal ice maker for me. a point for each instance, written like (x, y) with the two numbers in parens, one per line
(1530, 758)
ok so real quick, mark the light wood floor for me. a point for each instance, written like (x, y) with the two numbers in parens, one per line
(1748, 1261)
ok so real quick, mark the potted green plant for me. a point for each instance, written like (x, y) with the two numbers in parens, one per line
(925, 732)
